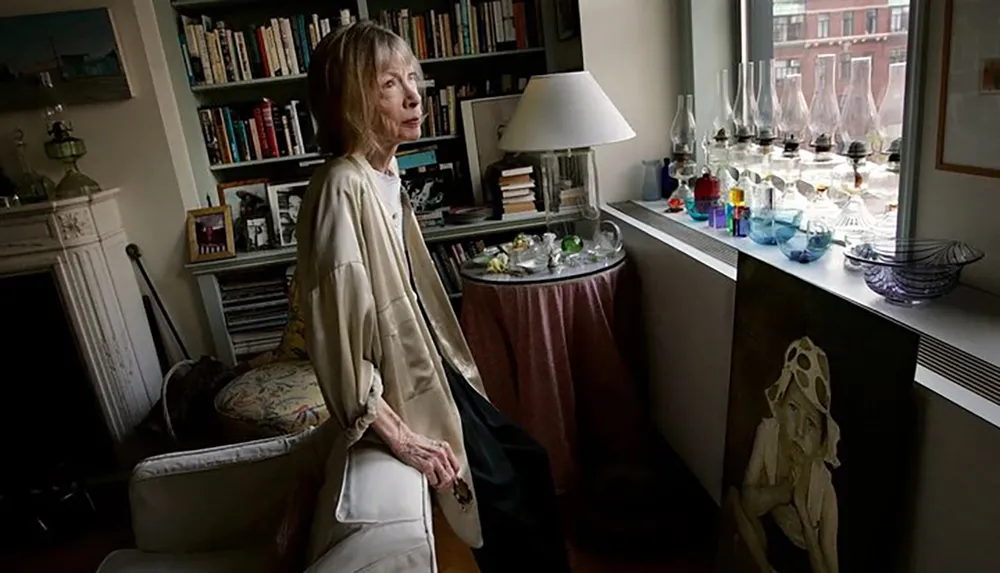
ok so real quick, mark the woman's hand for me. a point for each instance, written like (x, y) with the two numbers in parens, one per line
(433, 458)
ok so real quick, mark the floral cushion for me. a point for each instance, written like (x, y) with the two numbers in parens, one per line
(272, 400)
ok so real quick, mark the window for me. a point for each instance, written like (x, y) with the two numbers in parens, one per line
(897, 56)
(845, 67)
(781, 29)
(848, 23)
(789, 28)
(871, 21)
(785, 68)
(823, 26)
(899, 19)
(796, 27)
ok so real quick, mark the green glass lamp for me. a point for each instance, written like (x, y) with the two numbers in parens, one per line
(64, 147)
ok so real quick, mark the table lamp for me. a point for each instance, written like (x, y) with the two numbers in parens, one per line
(562, 117)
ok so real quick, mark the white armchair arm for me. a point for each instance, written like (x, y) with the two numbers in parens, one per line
(219, 498)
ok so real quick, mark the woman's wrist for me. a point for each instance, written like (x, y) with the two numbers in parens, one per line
(390, 427)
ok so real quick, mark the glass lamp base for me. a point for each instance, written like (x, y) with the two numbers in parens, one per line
(75, 184)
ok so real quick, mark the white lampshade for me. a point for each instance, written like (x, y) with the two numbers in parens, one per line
(564, 111)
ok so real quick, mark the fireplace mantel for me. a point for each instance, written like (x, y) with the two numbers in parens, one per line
(82, 242)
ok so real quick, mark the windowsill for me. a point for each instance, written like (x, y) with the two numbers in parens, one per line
(959, 354)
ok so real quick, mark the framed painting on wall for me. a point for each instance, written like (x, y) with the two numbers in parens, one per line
(969, 105)
(821, 430)
(78, 49)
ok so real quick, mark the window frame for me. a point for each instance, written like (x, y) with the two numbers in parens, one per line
(823, 26)
(848, 17)
(871, 21)
(757, 15)
(899, 17)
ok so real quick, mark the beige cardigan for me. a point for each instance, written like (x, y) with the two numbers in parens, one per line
(364, 330)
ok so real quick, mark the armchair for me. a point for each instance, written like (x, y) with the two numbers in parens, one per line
(248, 507)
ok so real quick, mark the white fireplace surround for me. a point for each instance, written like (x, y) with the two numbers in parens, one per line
(82, 242)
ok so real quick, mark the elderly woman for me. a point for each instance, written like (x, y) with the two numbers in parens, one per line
(388, 351)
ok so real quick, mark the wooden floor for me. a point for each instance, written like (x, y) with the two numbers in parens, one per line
(84, 553)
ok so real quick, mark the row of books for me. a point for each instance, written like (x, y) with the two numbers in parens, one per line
(442, 103)
(249, 132)
(472, 27)
(448, 261)
(216, 53)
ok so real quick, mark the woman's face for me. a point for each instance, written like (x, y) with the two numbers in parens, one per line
(399, 104)
(801, 423)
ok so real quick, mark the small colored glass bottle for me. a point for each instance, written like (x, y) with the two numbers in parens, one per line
(737, 214)
(706, 194)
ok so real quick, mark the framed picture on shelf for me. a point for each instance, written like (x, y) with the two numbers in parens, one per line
(285, 200)
(969, 102)
(257, 231)
(210, 234)
(246, 199)
(484, 121)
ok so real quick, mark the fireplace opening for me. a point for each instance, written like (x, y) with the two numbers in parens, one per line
(55, 437)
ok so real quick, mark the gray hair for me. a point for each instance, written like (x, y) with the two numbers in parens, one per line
(343, 85)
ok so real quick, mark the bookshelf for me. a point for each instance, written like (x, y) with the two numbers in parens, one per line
(503, 45)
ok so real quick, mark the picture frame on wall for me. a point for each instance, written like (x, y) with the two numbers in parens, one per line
(286, 200)
(210, 234)
(79, 50)
(483, 121)
(969, 102)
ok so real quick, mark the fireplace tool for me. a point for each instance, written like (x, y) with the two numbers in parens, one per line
(133, 252)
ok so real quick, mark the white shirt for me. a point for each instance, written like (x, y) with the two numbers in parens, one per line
(390, 187)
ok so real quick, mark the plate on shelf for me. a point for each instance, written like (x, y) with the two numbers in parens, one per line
(466, 215)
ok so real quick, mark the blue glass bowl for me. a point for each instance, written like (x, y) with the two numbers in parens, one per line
(912, 271)
(699, 210)
(764, 226)
(803, 245)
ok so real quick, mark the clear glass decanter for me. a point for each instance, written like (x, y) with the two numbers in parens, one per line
(821, 208)
(824, 112)
(885, 224)
(859, 116)
(890, 109)
(855, 222)
(32, 187)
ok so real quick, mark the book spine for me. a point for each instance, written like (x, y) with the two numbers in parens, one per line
(270, 128)
(266, 151)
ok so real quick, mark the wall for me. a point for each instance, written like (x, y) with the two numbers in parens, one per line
(130, 147)
(951, 205)
(633, 51)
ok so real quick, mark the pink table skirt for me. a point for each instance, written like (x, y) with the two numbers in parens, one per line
(555, 358)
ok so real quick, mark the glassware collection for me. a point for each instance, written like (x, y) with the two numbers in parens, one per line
(802, 176)
(787, 172)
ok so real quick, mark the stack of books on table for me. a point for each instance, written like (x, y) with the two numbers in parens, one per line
(517, 188)
(572, 198)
